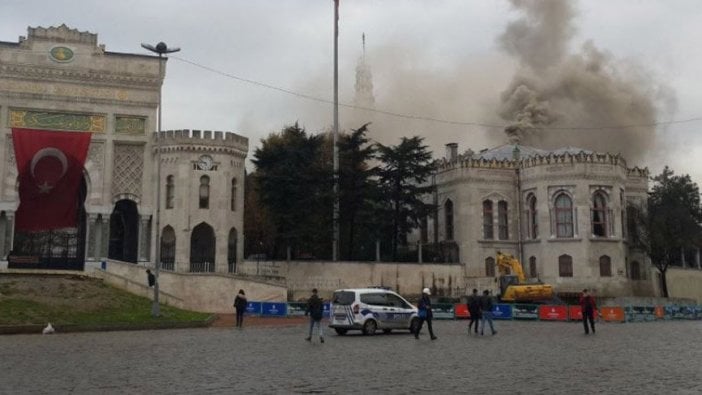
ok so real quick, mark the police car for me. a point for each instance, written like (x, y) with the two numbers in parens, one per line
(370, 310)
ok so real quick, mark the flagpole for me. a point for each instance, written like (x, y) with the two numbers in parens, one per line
(335, 245)
(160, 48)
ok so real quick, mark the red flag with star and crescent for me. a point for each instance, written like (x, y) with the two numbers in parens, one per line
(50, 167)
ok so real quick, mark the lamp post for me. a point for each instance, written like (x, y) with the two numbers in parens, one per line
(160, 48)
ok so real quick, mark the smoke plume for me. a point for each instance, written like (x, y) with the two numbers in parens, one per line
(586, 99)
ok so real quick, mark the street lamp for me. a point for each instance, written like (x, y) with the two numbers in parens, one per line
(160, 48)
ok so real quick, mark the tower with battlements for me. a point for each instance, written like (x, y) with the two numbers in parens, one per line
(60, 79)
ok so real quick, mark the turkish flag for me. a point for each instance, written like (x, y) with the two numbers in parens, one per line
(50, 167)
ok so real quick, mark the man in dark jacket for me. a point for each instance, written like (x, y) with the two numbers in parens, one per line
(425, 313)
(150, 278)
(315, 309)
(474, 311)
(588, 307)
(486, 306)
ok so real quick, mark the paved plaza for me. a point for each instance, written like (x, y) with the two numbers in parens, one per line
(524, 357)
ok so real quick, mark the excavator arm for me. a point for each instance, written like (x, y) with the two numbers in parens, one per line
(507, 261)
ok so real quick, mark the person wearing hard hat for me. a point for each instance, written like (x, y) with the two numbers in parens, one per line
(425, 314)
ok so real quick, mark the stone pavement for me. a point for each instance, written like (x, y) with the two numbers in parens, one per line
(524, 357)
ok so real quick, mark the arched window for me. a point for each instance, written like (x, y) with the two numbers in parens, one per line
(233, 197)
(564, 216)
(489, 267)
(635, 270)
(605, 266)
(502, 220)
(168, 242)
(448, 215)
(599, 215)
(532, 267)
(488, 233)
(204, 192)
(532, 223)
(231, 250)
(170, 192)
(565, 266)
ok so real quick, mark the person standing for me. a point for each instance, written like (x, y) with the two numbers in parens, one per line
(240, 306)
(425, 314)
(315, 309)
(486, 306)
(474, 311)
(150, 278)
(588, 308)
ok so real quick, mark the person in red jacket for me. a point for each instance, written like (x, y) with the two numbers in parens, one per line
(588, 307)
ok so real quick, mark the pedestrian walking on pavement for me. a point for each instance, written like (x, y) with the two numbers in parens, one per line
(240, 306)
(425, 314)
(474, 311)
(315, 309)
(588, 308)
(486, 306)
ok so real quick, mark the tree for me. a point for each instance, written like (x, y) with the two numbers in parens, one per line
(402, 174)
(669, 223)
(357, 190)
(295, 188)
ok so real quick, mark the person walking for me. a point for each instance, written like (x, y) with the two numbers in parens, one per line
(425, 314)
(486, 306)
(315, 309)
(240, 306)
(474, 311)
(588, 308)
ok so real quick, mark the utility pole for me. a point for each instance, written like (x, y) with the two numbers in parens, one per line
(335, 247)
(160, 48)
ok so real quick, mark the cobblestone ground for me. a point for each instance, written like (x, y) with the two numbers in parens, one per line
(524, 357)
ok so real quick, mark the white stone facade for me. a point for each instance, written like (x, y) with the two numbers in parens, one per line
(541, 207)
(58, 78)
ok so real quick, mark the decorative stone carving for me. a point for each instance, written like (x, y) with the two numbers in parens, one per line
(96, 155)
(130, 125)
(38, 119)
(128, 169)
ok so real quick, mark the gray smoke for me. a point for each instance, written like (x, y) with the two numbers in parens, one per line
(558, 98)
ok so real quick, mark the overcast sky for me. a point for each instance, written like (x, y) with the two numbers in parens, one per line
(431, 58)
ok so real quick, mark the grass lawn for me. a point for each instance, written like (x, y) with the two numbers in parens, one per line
(69, 299)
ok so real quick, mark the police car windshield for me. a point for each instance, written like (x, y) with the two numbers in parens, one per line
(343, 298)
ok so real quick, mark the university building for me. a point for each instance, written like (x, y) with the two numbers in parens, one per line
(60, 79)
(562, 212)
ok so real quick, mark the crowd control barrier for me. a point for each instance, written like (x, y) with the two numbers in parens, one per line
(442, 311)
(639, 313)
(525, 312)
(271, 309)
(553, 313)
(502, 312)
(612, 314)
(253, 308)
(460, 311)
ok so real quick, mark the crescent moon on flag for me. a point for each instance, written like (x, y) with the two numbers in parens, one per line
(50, 151)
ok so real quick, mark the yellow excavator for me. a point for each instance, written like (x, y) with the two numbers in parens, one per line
(514, 286)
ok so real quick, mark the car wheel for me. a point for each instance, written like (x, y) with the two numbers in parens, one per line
(386, 331)
(414, 324)
(340, 331)
(370, 327)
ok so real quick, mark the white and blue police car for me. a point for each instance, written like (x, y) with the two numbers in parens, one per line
(370, 310)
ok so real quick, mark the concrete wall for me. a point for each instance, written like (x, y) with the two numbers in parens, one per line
(405, 278)
(685, 283)
(209, 292)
